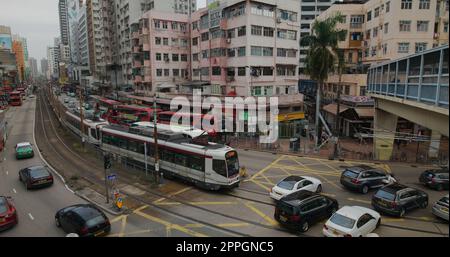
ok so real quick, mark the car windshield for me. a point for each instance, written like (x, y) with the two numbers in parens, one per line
(23, 148)
(351, 174)
(385, 195)
(288, 209)
(342, 221)
(444, 200)
(39, 172)
(3, 205)
(289, 185)
(95, 221)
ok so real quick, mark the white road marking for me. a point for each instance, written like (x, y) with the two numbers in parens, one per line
(7, 173)
(14, 190)
(31, 216)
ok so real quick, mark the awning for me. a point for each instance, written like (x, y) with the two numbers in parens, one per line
(365, 112)
(166, 85)
(195, 83)
(291, 116)
(332, 108)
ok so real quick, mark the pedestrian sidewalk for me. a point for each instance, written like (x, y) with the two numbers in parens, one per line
(99, 200)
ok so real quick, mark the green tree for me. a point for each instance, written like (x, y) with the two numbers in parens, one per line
(322, 57)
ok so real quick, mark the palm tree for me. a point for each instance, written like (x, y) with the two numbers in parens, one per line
(322, 57)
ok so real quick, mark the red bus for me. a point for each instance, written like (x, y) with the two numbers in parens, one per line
(165, 118)
(15, 98)
(129, 114)
(105, 105)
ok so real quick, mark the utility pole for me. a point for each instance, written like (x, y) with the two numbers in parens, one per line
(155, 137)
(81, 117)
(107, 166)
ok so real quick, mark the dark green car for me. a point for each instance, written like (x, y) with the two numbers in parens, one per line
(24, 151)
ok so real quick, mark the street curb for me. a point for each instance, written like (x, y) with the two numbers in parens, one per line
(98, 205)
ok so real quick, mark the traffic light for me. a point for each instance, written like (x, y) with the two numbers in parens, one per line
(107, 162)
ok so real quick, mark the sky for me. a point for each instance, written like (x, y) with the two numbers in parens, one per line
(37, 21)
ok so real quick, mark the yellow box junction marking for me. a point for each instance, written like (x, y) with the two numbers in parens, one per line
(269, 220)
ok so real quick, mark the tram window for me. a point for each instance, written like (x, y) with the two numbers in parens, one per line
(132, 146)
(219, 166)
(94, 133)
(167, 156)
(180, 159)
(197, 163)
(140, 148)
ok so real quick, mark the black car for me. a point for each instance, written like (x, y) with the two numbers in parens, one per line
(362, 178)
(36, 177)
(397, 199)
(301, 209)
(85, 220)
(436, 179)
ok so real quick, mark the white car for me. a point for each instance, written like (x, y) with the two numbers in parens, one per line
(352, 221)
(293, 184)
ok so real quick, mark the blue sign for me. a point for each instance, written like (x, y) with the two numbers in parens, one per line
(112, 177)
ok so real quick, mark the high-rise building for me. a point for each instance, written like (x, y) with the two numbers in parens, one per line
(18, 50)
(33, 67)
(64, 21)
(52, 57)
(44, 67)
(309, 10)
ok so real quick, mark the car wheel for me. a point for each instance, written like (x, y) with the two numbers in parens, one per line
(319, 189)
(402, 212)
(424, 204)
(365, 189)
(58, 224)
(304, 226)
(20, 178)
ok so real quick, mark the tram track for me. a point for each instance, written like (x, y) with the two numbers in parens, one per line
(96, 180)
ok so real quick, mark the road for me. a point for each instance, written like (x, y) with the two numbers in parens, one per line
(36, 208)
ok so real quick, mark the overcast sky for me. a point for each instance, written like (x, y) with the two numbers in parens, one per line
(36, 20)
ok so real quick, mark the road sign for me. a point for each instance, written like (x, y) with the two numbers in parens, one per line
(112, 177)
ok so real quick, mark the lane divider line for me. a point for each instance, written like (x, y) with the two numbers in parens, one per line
(14, 190)
(31, 216)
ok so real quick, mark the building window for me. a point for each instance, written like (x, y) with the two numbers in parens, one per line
(350, 57)
(375, 32)
(183, 42)
(195, 41)
(424, 4)
(175, 57)
(405, 26)
(386, 28)
(242, 31)
(262, 10)
(287, 34)
(356, 21)
(241, 71)
(216, 71)
(157, 24)
(194, 25)
(176, 72)
(268, 32)
(166, 57)
(165, 41)
(231, 33)
(159, 72)
(256, 30)
(174, 41)
(184, 58)
(347, 90)
(377, 12)
(368, 34)
(158, 57)
(422, 26)
(241, 51)
(373, 51)
(287, 15)
(195, 57)
(204, 54)
(445, 27)
(420, 47)
(205, 36)
(166, 72)
(164, 25)
(183, 26)
(205, 71)
(231, 52)
(406, 4)
(403, 47)
(256, 51)
(174, 25)
(388, 6)
(157, 41)
(385, 49)
(369, 15)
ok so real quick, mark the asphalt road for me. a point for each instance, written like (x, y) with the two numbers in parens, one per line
(36, 208)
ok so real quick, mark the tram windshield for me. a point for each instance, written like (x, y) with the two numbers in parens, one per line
(232, 163)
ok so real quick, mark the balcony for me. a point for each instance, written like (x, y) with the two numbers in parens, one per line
(136, 50)
(147, 63)
(137, 64)
(146, 47)
(137, 79)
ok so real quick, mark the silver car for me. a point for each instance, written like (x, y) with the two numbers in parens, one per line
(440, 208)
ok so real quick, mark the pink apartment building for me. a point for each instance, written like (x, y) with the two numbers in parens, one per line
(243, 48)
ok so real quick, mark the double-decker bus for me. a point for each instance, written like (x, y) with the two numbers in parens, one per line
(211, 166)
(128, 114)
(105, 105)
(15, 98)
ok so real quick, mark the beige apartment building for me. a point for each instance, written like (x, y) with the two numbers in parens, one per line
(381, 30)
